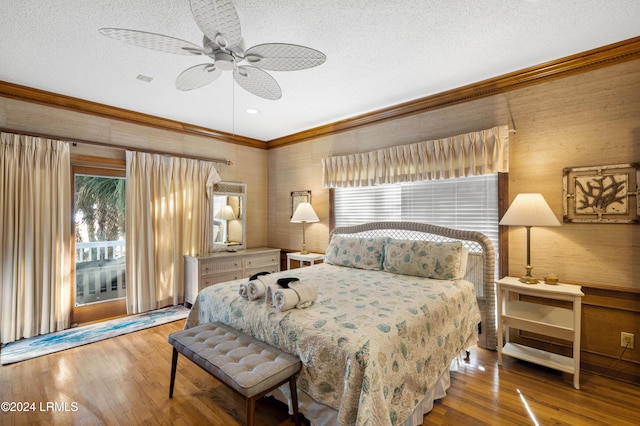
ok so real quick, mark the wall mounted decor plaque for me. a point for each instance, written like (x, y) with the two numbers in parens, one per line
(298, 197)
(601, 194)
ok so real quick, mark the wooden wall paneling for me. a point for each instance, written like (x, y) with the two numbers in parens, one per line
(606, 313)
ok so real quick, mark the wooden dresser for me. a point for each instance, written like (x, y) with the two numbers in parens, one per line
(214, 268)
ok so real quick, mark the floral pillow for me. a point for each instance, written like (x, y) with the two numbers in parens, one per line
(438, 260)
(361, 253)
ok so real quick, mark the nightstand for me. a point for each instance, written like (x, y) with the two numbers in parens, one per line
(312, 258)
(547, 320)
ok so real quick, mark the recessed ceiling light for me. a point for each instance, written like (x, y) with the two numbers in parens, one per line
(252, 111)
(144, 78)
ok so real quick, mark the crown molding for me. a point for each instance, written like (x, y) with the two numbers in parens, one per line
(612, 54)
(29, 94)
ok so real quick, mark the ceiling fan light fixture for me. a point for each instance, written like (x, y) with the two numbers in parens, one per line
(224, 60)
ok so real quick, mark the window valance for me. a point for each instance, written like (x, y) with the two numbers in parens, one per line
(476, 153)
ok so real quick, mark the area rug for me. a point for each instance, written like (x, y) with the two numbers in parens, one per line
(53, 342)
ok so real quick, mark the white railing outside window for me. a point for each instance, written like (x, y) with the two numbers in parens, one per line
(96, 250)
(100, 271)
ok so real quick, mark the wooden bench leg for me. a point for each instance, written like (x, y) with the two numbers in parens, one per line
(294, 399)
(251, 410)
(174, 365)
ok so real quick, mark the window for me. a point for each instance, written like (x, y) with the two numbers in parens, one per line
(99, 243)
(469, 203)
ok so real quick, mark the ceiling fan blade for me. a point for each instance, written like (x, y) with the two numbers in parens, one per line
(218, 20)
(153, 41)
(258, 82)
(283, 57)
(197, 76)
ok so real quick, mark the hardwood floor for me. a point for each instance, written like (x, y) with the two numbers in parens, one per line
(125, 380)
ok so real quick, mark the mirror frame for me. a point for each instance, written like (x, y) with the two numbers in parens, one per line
(229, 189)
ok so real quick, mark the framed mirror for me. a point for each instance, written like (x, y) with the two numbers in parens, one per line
(228, 217)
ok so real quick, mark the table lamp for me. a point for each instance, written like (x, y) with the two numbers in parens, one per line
(529, 210)
(304, 213)
(226, 214)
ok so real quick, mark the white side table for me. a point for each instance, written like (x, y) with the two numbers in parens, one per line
(547, 320)
(312, 258)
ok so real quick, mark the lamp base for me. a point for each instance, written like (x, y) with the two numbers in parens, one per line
(528, 278)
(304, 241)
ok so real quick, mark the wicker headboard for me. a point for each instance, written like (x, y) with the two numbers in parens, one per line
(480, 263)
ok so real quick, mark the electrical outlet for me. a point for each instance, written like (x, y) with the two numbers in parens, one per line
(626, 340)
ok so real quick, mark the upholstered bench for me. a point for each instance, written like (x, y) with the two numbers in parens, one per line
(245, 364)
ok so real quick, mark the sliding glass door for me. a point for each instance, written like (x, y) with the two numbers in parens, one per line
(99, 244)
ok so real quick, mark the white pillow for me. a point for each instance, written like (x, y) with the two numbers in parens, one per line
(438, 260)
(361, 253)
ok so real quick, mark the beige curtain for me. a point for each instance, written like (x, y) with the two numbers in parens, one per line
(35, 235)
(167, 217)
(476, 153)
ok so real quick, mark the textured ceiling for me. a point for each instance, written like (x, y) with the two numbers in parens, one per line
(379, 53)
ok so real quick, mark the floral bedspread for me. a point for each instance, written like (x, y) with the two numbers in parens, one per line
(372, 344)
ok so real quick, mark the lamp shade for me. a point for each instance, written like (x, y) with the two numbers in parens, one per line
(529, 210)
(304, 213)
(226, 213)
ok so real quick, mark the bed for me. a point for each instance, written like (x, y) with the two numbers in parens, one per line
(396, 303)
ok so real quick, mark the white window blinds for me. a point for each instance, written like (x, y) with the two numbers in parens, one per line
(469, 203)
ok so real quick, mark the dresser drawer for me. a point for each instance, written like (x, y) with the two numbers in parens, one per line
(261, 260)
(222, 278)
(217, 266)
(267, 268)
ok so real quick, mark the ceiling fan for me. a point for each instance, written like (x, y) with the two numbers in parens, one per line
(223, 43)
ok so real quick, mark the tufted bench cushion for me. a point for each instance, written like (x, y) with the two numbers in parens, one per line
(247, 365)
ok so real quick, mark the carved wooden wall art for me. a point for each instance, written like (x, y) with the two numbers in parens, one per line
(298, 197)
(601, 194)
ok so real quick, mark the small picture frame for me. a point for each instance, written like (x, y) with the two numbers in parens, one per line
(298, 197)
(601, 194)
